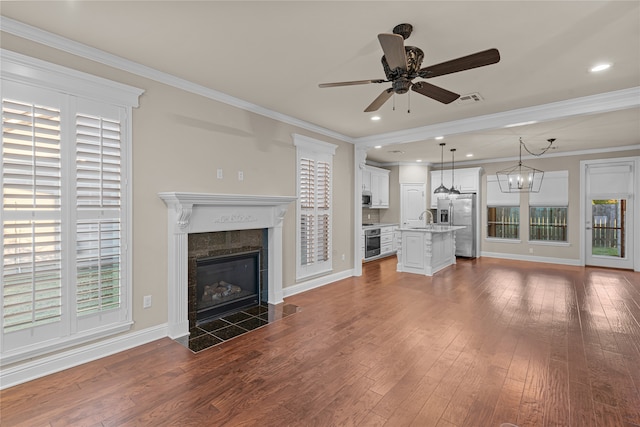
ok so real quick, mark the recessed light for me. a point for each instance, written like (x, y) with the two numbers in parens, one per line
(600, 67)
(512, 125)
(419, 160)
(377, 147)
(439, 138)
(375, 118)
(470, 155)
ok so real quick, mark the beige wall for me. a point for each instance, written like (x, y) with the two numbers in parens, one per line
(547, 164)
(180, 139)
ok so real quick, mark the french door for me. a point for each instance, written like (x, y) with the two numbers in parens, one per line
(609, 214)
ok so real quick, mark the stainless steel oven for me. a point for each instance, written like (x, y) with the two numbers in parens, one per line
(371, 242)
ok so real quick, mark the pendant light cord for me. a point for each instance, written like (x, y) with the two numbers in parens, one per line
(522, 144)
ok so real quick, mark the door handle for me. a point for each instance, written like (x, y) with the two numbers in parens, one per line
(588, 228)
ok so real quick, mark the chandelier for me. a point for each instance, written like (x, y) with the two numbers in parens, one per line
(521, 178)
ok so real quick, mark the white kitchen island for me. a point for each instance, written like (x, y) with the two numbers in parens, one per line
(426, 250)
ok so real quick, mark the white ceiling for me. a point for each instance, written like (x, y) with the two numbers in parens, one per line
(274, 54)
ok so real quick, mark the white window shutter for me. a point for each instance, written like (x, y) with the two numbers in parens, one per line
(65, 277)
(315, 163)
(31, 201)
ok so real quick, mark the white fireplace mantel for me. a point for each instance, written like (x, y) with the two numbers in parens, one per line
(203, 213)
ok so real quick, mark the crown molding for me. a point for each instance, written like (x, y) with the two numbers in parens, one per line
(600, 103)
(463, 163)
(46, 38)
(592, 104)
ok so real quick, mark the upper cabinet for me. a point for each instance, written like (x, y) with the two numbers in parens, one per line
(465, 180)
(366, 179)
(376, 180)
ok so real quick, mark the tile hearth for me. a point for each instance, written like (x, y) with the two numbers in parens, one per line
(217, 331)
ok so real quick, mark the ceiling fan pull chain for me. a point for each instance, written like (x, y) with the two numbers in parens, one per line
(394, 101)
(409, 106)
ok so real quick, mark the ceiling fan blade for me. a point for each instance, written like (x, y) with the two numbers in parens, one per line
(381, 99)
(475, 60)
(434, 92)
(355, 82)
(393, 48)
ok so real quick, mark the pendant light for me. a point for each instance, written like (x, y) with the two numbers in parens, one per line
(453, 188)
(442, 189)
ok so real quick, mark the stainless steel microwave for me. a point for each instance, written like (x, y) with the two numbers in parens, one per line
(366, 199)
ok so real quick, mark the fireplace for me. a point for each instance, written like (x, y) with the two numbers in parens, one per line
(226, 283)
(227, 271)
(194, 213)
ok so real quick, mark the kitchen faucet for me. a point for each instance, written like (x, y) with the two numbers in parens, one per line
(421, 217)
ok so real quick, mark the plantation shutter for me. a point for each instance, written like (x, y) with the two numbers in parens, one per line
(31, 210)
(65, 217)
(98, 202)
(323, 210)
(314, 214)
(307, 206)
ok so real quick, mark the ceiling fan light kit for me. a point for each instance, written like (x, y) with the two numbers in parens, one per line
(521, 178)
(401, 64)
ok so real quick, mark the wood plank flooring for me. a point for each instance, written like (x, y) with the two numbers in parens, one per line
(484, 342)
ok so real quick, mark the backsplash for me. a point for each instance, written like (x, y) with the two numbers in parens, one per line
(370, 215)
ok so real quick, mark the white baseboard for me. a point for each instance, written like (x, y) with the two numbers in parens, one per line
(549, 260)
(37, 368)
(315, 283)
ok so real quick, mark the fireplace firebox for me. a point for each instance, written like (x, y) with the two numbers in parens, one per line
(226, 283)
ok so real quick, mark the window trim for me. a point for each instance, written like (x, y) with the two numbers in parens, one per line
(75, 85)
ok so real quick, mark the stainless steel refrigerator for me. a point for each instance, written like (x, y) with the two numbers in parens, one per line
(460, 210)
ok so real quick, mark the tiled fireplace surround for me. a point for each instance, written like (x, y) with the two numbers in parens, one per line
(219, 243)
(190, 213)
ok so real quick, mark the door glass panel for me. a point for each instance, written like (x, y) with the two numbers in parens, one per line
(608, 235)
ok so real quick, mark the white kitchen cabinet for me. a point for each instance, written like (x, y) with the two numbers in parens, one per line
(426, 250)
(379, 186)
(386, 240)
(466, 180)
(366, 179)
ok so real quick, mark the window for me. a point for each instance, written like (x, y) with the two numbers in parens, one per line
(65, 266)
(548, 224)
(503, 222)
(314, 206)
(503, 212)
(548, 208)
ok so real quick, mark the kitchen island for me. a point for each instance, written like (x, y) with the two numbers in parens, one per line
(426, 250)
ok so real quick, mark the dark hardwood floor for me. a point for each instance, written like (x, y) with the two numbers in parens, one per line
(482, 343)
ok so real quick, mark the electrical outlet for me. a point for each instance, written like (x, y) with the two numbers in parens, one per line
(219, 174)
(343, 257)
(146, 301)
(240, 176)
(530, 250)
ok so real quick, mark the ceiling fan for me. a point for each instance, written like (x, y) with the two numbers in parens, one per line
(402, 64)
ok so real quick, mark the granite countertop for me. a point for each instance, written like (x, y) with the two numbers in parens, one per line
(435, 228)
(366, 226)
